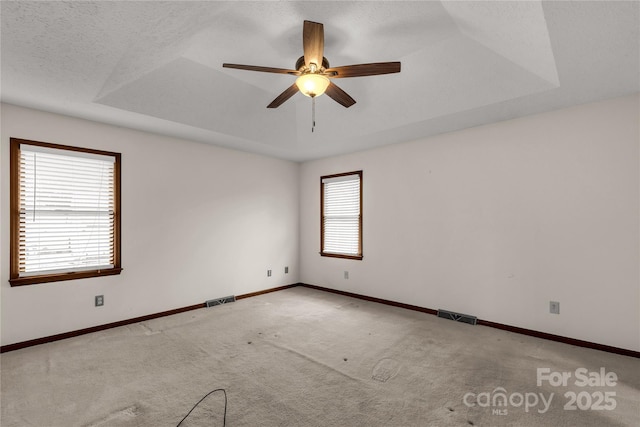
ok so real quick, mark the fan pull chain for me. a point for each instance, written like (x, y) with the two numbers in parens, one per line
(313, 113)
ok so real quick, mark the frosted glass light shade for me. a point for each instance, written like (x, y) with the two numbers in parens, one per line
(312, 85)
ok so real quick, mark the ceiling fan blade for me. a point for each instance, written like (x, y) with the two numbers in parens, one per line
(339, 95)
(361, 70)
(313, 43)
(288, 93)
(263, 69)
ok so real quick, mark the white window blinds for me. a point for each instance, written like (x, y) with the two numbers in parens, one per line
(66, 211)
(341, 216)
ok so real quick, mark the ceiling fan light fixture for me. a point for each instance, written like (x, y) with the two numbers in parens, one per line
(312, 85)
(314, 71)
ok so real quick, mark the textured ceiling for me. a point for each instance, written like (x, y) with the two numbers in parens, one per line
(157, 66)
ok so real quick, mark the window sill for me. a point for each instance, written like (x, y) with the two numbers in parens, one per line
(46, 278)
(344, 256)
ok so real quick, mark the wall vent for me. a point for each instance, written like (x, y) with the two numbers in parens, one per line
(465, 318)
(218, 301)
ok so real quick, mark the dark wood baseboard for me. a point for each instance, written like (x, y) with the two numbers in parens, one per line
(372, 299)
(518, 330)
(266, 291)
(71, 334)
(559, 338)
(523, 331)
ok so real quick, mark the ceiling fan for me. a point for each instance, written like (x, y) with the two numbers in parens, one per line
(314, 72)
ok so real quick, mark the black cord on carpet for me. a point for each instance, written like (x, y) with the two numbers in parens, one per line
(224, 418)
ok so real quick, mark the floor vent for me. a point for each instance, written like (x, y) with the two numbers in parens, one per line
(457, 317)
(218, 301)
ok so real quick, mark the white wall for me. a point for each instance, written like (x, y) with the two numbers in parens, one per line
(198, 222)
(493, 221)
(497, 221)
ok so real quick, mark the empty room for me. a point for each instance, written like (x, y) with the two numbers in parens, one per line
(319, 213)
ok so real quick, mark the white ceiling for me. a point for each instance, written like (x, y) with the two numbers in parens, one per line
(157, 66)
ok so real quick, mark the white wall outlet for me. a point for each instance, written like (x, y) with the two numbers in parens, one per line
(99, 300)
(554, 307)
(346, 274)
(268, 273)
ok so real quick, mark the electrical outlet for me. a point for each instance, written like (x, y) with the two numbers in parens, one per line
(346, 274)
(286, 270)
(99, 300)
(268, 273)
(554, 307)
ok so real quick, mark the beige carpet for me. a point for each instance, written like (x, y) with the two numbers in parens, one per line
(302, 357)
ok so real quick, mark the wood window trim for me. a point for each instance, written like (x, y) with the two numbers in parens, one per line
(336, 255)
(14, 252)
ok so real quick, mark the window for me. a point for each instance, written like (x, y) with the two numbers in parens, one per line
(65, 212)
(341, 215)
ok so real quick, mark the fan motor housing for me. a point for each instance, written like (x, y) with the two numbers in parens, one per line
(300, 63)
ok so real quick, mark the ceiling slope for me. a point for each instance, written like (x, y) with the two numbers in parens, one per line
(157, 66)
